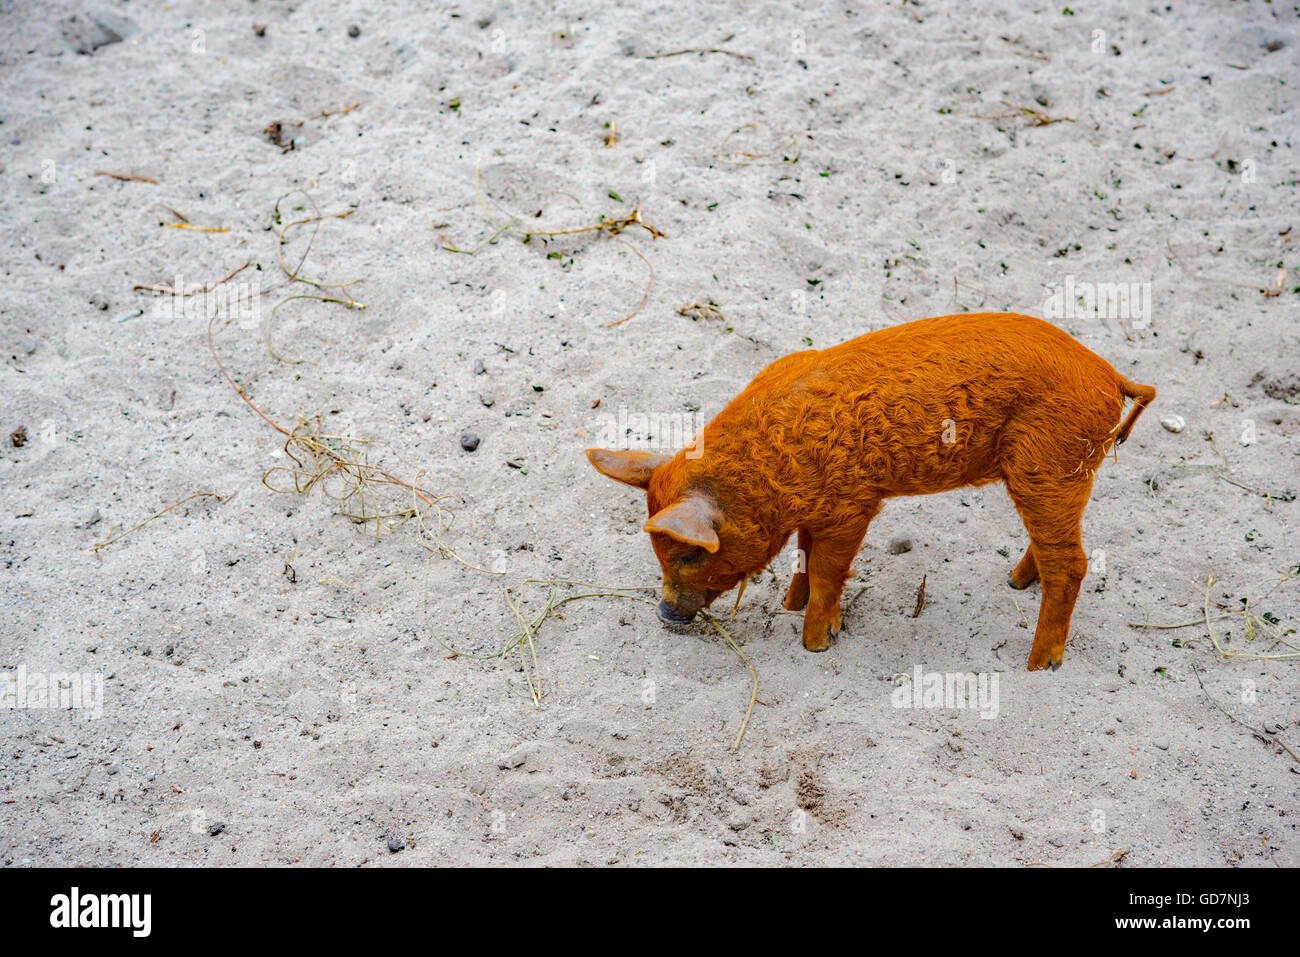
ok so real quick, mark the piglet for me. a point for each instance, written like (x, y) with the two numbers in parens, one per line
(819, 439)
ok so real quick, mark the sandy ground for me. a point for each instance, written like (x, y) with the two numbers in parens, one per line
(880, 170)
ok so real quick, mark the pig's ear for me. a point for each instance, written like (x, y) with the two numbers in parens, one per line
(693, 521)
(630, 468)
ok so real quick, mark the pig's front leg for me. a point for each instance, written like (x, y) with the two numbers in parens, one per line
(829, 566)
(797, 597)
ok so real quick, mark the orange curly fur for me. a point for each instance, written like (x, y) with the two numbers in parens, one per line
(820, 438)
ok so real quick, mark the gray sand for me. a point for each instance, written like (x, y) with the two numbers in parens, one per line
(247, 719)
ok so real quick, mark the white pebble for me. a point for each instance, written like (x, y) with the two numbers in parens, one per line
(1173, 423)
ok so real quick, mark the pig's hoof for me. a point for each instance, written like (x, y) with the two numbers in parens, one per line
(814, 642)
(1041, 661)
(1020, 586)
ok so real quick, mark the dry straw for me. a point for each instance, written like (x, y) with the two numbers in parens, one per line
(529, 627)
(1255, 624)
(337, 466)
(608, 227)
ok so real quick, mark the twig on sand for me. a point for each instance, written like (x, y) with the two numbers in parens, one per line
(700, 50)
(128, 177)
(527, 629)
(326, 114)
(1014, 42)
(1265, 291)
(1036, 117)
(168, 290)
(609, 227)
(121, 535)
(856, 595)
(534, 688)
(702, 310)
(1252, 622)
(742, 158)
(294, 275)
(318, 457)
(1268, 850)
(180, 217)
(1262, 493)
(644, 294)
(1264, 624)
(753, 695)
(1219, 472)
(1115, 859)
(1260, 733)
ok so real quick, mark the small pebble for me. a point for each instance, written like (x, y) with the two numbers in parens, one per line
(488, 399)
(396, 844)
(479, 367)
(1174, 423)
(216, 829)
(354, 31)
(469, 441)
(899, 544)
(516, 759)
(259, 29)
(1161, 743)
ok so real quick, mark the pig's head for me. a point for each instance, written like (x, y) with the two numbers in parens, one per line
(702, 550)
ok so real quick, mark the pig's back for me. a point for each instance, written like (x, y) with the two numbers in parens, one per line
(954, 347)
(929, 405)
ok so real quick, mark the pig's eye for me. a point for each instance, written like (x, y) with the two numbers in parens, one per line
(693, 557)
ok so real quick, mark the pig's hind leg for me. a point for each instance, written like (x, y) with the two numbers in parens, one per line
(1026, 573)
(797, 597)
(1052, 509)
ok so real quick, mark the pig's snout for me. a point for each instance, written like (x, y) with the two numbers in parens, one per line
(672, 616)
(677, 607)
